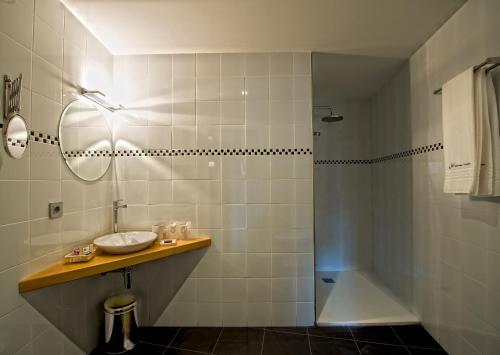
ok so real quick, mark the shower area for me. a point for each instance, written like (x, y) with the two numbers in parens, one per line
(354, 264)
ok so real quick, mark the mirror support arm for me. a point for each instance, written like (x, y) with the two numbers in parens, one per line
(14, 130)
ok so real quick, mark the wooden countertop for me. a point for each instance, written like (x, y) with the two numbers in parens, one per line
(61, 272)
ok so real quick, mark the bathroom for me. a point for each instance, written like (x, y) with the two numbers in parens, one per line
(245, 177)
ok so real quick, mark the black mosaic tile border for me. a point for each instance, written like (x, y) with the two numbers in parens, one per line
(406, 153)
(343, 162)
(53, 140)
(187, 152)
(88, 153)
(39, 137)
(409, 153)
(43, 138)
(35, 137)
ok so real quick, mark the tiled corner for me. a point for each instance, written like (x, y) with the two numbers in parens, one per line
(48, 45)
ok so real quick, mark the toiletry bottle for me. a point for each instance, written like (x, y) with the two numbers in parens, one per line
(159, 229)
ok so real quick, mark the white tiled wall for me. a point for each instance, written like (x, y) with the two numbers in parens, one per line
(392, 188)
(53, 51)
(343, 237)
(257, 209)
(453, 241)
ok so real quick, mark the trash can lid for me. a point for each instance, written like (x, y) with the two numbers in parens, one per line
(119, 303)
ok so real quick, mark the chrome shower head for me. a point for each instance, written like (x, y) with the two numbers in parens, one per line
(333, 117)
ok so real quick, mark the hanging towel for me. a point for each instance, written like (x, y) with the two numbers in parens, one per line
(459, 134)
(484, 173)
(495, 132)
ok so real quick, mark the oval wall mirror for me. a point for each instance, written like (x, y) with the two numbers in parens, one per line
(85, 140)
(15, 136)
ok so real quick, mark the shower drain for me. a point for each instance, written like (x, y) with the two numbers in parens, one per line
(328, 280)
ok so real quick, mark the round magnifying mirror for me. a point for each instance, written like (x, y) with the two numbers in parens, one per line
(15, 136)
(85, 140)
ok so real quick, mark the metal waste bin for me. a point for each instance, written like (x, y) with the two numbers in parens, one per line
(120, 322)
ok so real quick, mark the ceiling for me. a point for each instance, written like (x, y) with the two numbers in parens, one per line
(389, 28)
(350, 76)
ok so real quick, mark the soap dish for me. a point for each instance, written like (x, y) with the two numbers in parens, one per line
(168, 242)
(79, 258)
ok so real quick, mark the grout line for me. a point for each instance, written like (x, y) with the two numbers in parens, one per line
(31, 116)
(424, 348)
(329, 337)
(173, 338)
(309, 341)
(193, 351)
(385, 344)
(401, 341)
(285, 331)
(153, 344)
(150, 343)
(217, 341)
(263, 340)
(355, 341)
(30, 343)
(85, 26)
(4, 315)
(264, 330)
(23, 46)
(353, 337)
(378, 343)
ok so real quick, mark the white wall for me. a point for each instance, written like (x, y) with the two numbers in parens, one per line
(53, 51)
(392, 188)
(257, 208)
(342, 192)
(455, 239)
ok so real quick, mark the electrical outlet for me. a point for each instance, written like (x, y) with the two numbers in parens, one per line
(55, 210)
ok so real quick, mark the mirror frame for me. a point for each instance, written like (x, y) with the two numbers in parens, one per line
(68, 106)
(5, 128)
(11, 111)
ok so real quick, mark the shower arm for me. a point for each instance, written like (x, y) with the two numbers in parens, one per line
(325, 108)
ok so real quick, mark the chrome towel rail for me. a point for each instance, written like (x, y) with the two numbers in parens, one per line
(493, 61)
(99, 98)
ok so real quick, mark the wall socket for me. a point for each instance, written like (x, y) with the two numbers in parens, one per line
(55, 210)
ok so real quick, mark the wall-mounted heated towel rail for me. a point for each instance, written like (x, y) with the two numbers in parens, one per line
(493, 61)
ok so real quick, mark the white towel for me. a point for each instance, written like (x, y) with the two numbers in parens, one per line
(459, 134)
(484, 173)
(495, 132)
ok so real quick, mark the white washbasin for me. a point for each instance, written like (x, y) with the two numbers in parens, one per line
(126, 242)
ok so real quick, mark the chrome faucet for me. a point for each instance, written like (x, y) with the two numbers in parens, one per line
(117, 205)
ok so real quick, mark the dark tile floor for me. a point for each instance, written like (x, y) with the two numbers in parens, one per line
(383, 340)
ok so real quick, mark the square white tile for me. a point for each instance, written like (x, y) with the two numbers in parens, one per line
(184, 65)
(232, 88)
(281, 63)
(208, 113)
(208, 88)
(232, 112)
(207, 65)
(232, 64)
(257, 64)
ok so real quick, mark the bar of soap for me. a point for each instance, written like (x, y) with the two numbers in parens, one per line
(168, 242)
